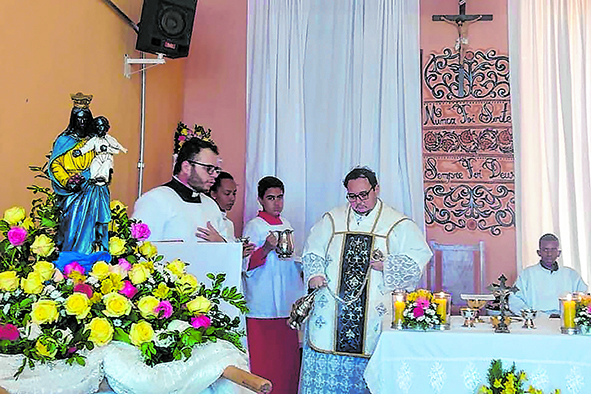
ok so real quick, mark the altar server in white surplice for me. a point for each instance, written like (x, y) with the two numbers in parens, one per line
(179, 209)
(223, 192)
(541, 285)
(272, 285)
(340, 257)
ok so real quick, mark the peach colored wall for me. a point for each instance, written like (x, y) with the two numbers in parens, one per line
(500, 250)
(53, 48)
(215, 85)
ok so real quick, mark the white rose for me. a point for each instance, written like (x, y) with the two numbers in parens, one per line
(178, 325)
(167, 342)
(32, 331)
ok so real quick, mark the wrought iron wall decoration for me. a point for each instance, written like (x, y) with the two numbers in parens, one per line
(483, 75)
(470, 207)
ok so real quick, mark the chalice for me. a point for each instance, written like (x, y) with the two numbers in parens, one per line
(476, 304)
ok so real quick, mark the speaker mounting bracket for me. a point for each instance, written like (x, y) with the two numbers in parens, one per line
(144, 62)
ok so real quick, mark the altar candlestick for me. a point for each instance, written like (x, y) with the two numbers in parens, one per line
(570, 307)
(398, 309)
(441, 309)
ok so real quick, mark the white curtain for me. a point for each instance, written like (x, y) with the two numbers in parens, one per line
(550, 58)
(332, 84)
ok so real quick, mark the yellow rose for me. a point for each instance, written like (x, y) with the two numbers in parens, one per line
(116, 305)
(138, 274)
(147, 249)
(28, 224)
(146, 305)
(200, 305)
(45, 269)
(46, 347)
(101, 331)
(78, 305)
(44, 311)
(100, 270)
(14, 215)
(116, 246)
(96, 297)
(188, 281)
(141, 332)
(33, 283)
(116, 205)
(161, 291)
(177, 267)
(148, 264)
(43, 246)
(9, 281)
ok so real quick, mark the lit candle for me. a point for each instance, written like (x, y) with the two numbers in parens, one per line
(441, 306)
(569, 307)
(398, 308)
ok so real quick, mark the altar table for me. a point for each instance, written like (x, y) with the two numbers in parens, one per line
(457, 361)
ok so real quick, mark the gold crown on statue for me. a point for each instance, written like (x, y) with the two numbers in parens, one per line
(184, 133)
(81, 100)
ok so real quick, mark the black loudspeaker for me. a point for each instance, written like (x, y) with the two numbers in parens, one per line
(166, 27)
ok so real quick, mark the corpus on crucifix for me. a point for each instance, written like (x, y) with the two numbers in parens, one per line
(462, 21)
(502, 291)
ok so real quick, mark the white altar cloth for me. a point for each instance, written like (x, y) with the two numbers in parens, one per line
(457, 361)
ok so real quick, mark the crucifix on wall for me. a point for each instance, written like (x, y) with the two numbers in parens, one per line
(461, 22)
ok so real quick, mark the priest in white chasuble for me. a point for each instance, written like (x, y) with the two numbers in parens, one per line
(180, 209)
(356, 255)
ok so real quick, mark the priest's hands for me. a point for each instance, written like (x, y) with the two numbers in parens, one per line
(209, 234)
(316, 282)
(377, 265)
(247, 249)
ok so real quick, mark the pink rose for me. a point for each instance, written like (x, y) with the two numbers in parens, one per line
(128, 289)
(200, 321)
(182, 137)
(9, 332)
(126, 265)
(73, 266)
(166, 308)
(589, 308)
(140, 231)
(422, 302)
(418, 312)
(17, 236)
(84, 289)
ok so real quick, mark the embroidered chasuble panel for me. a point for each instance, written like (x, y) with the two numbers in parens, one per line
(350, 328)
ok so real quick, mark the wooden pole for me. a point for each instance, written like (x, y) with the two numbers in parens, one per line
(248, 380)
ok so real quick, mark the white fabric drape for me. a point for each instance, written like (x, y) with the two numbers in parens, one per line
(550, 58)
(332, 84)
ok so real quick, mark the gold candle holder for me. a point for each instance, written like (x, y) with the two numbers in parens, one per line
(443, 302)
(568, 310)
(398, 305)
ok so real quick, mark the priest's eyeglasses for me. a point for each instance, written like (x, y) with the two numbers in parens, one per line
(362, 196)
(210, 168)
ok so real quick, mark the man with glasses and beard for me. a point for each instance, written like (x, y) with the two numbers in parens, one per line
(180, 209)
(355, 256)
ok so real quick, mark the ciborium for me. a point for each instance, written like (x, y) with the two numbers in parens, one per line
(529, 315)
(284, 243)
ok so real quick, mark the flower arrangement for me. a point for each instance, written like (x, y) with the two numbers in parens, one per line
(420, 311)
(131, 295)
(183, 133)
(507, 381)
(583, 314)
(38, 318)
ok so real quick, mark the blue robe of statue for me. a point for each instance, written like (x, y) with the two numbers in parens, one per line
(85, 213)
